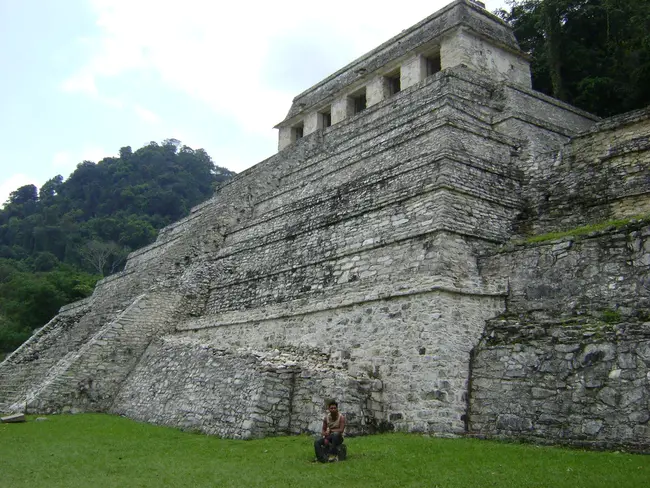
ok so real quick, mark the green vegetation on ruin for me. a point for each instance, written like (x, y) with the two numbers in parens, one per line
(593, 54)
(581, 231)
(108, 451)
(611, 316)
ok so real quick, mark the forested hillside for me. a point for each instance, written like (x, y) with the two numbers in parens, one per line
(57, 241)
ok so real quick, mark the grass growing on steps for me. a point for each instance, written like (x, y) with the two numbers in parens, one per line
(581, 231)
(106, 451)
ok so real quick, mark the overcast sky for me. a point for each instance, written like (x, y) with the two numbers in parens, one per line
(82, 78)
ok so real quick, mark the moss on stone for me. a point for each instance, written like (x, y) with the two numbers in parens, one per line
(583, 230)
(611, 316)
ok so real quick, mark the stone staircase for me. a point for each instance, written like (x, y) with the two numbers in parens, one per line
(88, 378)
(31, 361)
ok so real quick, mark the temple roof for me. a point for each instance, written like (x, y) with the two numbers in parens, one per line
(460, 13)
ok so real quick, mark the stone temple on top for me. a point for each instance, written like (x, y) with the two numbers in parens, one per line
(458, 35)
(436, 245)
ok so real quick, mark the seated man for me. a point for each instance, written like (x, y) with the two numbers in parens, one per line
(332, 433)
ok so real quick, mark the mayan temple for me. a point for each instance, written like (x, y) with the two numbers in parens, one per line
(396, 254)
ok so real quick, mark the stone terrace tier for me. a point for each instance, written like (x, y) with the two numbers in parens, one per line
(600, 175)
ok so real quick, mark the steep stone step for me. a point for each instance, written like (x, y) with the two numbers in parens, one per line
(66, 379)
(31, 361)
(306, 154)
(338, 150)
(430, 133)
(422, 174)
(441, 254)
(345, 163)
(455, 85)
(411, 218)
(384, 117)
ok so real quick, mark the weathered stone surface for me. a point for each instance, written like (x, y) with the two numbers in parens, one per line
(595, 403)
(13, 419)
(386, 261)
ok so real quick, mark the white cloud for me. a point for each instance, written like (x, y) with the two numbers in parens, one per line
(93, 153)
(146, 114)
(12, 183)
(62, 159)
(219, 54)
(82, 82)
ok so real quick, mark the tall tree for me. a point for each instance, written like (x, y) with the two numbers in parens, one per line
(551, 13)
(104, 257)
(594, 54)
(23, 195)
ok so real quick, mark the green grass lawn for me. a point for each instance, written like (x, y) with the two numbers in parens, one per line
(107, 451)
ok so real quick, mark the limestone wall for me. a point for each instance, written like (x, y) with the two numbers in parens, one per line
(569, 361)
(599, 176)
(578, 384)
(408, 184)
(242, 393)
(199, 387)
(577, 275)
(541, 123)
(426, 257)
(464, 46)
(418, 345)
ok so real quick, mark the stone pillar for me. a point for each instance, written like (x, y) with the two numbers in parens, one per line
(342, 108)
(413, 71)
(462, 47)
(312, 123)
(284, 137)
(457, 48)
(377, 90)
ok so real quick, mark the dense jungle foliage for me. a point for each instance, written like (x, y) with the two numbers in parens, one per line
(594, 54)
(57, 241)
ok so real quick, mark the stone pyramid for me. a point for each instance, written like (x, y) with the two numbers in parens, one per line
(366, 261)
